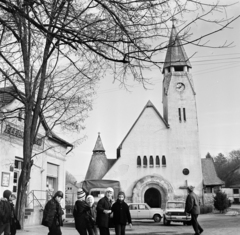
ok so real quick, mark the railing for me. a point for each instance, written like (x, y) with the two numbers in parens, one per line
(33, 198)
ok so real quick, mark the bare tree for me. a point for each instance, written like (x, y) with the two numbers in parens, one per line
(53, 52)
(228, 168)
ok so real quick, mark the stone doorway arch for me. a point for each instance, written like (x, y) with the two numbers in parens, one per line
(152, 197)
(157, 182)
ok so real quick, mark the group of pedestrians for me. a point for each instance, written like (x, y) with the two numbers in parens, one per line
(90, 219)
(8, 220)
(94, 219)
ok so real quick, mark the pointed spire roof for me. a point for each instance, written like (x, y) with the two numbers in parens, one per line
(176, 55)
(98, 146)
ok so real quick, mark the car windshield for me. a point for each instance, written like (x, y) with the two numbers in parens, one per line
(172, 205)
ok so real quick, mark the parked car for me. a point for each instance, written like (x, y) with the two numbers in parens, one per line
(174, 212)
(144, 211)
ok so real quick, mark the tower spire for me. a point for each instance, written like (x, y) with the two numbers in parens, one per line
(99, 146)
(176, 55)
(173, 20)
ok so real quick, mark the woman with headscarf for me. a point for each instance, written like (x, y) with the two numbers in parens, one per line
(81, 214)
(121, 214)
(92, 214)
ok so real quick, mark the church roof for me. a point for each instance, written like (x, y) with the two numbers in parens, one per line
(176, 55)
(148, 105)
(99, 146)
(99, 164)
(210, 177)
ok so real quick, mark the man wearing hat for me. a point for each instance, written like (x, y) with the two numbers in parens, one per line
(5, 213)
(192, 207)
(103, 212)
(52, 214)
(81, 214)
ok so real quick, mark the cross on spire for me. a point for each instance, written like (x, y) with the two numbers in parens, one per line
(173, 20)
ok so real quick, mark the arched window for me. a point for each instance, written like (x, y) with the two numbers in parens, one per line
(144, 161)
(139, 161)
(157, 161)
(164, 161)
(151, 161)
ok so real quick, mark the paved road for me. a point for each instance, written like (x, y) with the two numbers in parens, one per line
(213, 224)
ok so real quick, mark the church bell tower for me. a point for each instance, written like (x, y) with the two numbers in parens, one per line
(180, 112)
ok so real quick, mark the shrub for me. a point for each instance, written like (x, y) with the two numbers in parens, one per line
(204, 209)
(221, 201)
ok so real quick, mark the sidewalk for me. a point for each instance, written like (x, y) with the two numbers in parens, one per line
(213, 224)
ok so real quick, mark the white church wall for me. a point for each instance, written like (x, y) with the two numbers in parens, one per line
(184, 136)
(147, 138)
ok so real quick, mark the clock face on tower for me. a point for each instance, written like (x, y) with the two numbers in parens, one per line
(180, 86)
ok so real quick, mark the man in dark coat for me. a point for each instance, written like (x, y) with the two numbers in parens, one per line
(103, 212)
(192, 207)
(52, 214)
(5, 213)
(121, 214)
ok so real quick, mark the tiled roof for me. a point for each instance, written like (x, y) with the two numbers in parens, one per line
(98, 166)
(209, 173)
(6, 96)
(176, 55)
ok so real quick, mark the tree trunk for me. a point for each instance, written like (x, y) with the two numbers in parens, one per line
(22, 192)
(26, 168)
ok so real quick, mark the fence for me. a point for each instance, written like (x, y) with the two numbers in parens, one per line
(36, 198)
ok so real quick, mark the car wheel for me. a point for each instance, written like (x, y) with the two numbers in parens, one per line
(157, 218)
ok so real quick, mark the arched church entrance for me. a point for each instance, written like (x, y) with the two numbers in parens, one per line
(154, 190)
(153, 198)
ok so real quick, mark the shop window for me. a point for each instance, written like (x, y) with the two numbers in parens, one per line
(139, 161)
(14, 189)
(157, 161)
(144, 161)
(52, 177)
(18, 164)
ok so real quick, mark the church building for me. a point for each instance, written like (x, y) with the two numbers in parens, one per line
(159, 156)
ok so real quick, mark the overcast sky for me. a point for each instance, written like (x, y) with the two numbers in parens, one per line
(216, 75)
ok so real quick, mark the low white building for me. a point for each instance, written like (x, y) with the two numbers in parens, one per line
(48, 170)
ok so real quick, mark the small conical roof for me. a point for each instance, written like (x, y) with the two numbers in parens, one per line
(176, 55)
(98, 165)
(98, 146)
